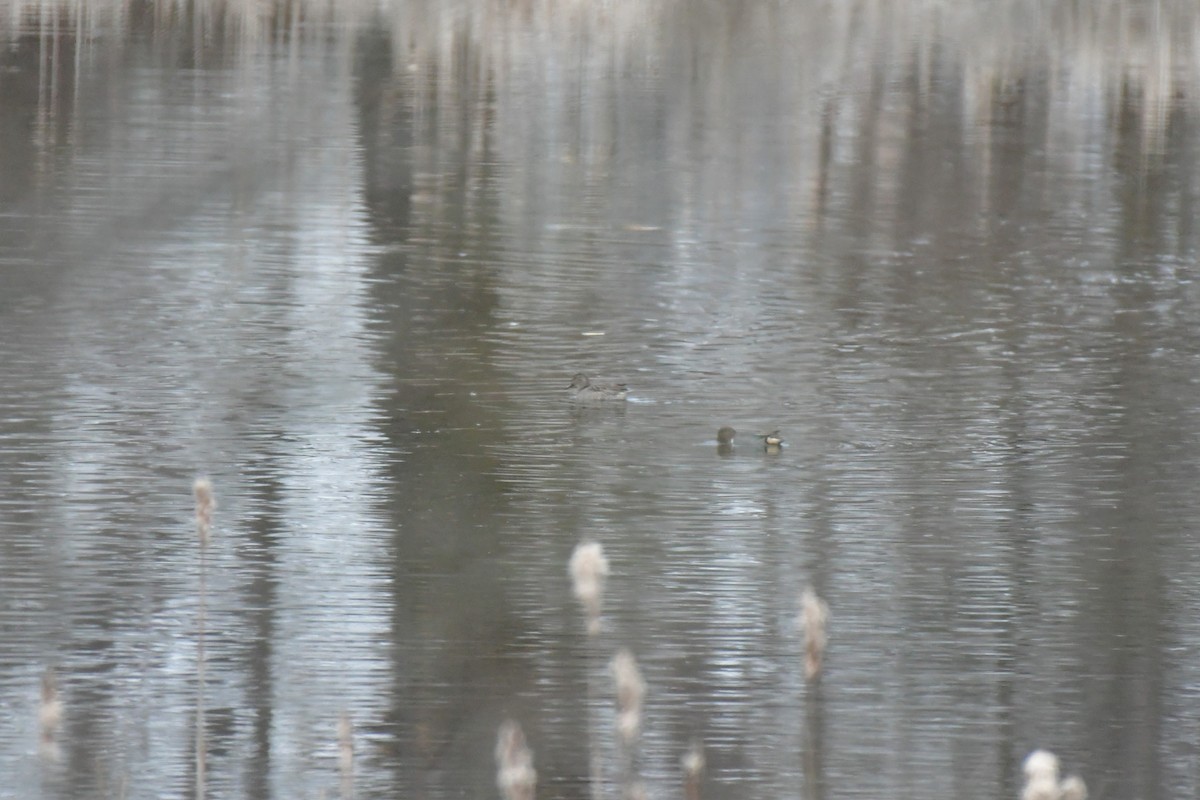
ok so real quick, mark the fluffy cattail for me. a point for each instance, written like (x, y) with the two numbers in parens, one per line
(1041, 776)
(1072, 788)
(692, 764)
(630, 691)
(1041, 779)
(50, 710)
(814, 614)
(589, 569)
(514, 763)
(206, 503)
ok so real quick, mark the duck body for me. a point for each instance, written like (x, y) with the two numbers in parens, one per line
(583, 390)
(772, 441)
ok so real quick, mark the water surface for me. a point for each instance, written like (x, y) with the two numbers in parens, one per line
(345, 263)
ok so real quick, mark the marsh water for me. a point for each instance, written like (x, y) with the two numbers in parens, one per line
(343, 259)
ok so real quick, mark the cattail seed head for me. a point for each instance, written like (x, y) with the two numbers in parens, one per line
(514, 763)
(814, 615)
(1041, 776)
(1041, 765)
(589, 570)
(206, 503)
(631, 689)
(1072, 788)
(692, 761)
(1041, 779)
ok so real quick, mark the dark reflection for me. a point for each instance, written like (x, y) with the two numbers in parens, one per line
(812, 758)
(261, 600)
(344, 259)
(456, 637)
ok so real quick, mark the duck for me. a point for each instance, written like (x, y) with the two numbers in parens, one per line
(772, 441)
(582, 388)
(725, 435)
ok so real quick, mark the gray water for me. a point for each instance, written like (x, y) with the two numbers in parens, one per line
(345, 262)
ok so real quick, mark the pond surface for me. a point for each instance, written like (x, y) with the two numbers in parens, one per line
(345, 262)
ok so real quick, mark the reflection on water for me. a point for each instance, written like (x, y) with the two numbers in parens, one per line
(343, 259)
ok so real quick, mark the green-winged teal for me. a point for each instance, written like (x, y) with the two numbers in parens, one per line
(583, 389)
(772, 441)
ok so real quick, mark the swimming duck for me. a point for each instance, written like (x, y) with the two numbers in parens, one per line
(582, 388)
(771, 441)
(725, 435)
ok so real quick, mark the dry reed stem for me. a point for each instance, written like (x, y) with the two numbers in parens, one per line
(589, 570)
(206, 503)
(631, 689)
(515, 774)
(814, 615)
(345, 733)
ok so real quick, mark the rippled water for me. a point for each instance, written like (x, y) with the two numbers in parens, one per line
(345, 263)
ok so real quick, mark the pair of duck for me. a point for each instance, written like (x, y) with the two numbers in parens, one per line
(583, 389)
(772, 441)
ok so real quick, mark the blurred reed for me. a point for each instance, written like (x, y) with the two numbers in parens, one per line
(50, 714)
(1042, 783)
(50, 711)
(814, 615)
(631, 690)
(206, 503)
(589, 571)
(692, 764)
(345, 736)
(514, 763)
